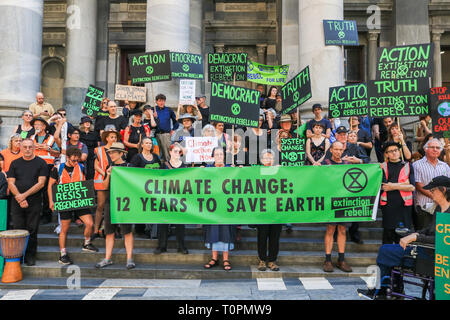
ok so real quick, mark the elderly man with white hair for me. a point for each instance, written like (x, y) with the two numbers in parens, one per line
(40, 108)
(425, 170)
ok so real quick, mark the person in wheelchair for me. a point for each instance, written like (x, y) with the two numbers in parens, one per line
(392, 255)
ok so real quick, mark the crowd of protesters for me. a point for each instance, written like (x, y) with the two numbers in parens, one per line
(45, 149)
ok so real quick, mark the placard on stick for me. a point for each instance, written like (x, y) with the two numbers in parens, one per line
(150, 67)
(347, 101)
(74, 195)
(93, 100)
(340, 33)
(297, 91)
(130, 93)
(440, 112)
(199, 149)
(187, 92)
(292, 152)
(186, 65)
(227, 67)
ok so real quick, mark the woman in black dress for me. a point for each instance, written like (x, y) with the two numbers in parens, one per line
(134, 134)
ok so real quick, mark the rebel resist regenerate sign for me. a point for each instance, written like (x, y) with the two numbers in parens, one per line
(340, 33)
(292, 152)
(405, 62)
(74, 195)
(297, 91)
(234, 105)
(398, 98)
(93, 101)
(440, 111)
(227, 67)
(186, 65)
(347, 101)
(150, 67)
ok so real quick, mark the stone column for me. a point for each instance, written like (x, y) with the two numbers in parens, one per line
(101, 74)
(261, 51)
(113, 69)
(372, 36)
(437, 63)
(196, 37)
(326, 63)
(168, 23)
(81, 43)
(20, 59)
(289, 36)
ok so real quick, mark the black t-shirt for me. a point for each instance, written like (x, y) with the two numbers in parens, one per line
(91, 140)
(205, 115)
(124, 164)
(140, 162)
(382, 128)
(120, 123)
(26, 173)
(166, 164)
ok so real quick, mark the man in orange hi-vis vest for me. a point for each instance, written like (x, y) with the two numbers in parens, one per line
(71, 171)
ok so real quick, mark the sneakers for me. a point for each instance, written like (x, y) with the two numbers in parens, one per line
(272, 266)
(342, 265)
(130, 265)
(89, 248)
(328, 266)
(262, 265)
(65, 259)
(103, 263)
(159, 250)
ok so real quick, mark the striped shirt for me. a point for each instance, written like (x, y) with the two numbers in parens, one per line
(425, 172)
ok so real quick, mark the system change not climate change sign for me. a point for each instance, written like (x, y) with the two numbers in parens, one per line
(297, 91)
(150, 67)
(227, 67)
(347, 101)
(440, 112)
(292, 152)
(340, 33)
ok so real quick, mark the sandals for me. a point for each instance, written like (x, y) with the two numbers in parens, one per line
(226, 267)
(210, 265)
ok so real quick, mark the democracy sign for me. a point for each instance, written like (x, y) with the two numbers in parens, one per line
(74, 195)
(199, 149)
(405, 62)
(130, 93)
(271, 75)
(340, 33)
(186, 65)
(347, 101)
(398, 98)
(150, 67)
(440, 112)
(297, 91)
(93, 101)
(234, 105)
(442, 258)
(292, 152)
(248, 195)
(227, 67)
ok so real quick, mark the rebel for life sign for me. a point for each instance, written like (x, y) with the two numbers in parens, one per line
(130, 93)
(74, 195)
(186, 65)
(297, 91)
(405, 62)
(440, 112)
(150, 67)
(292, 152)
(340, 33)
(270, 75)
(227, 67)
(398, 98)
(234, 105)
(93, 101)
(442, 258)
(347, 101)
(248, 195)
(199, 149)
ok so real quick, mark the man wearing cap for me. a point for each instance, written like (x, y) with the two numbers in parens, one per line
(40, 108)
(167, 124)
(91, 139)
(352, 152)
(317, 111)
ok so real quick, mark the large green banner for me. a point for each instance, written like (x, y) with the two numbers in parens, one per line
(249, 195)
(271, 75)
(3, 206)
(442, 261)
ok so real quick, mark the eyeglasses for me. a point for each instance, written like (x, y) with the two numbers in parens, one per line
(431, 147)
(392, 151)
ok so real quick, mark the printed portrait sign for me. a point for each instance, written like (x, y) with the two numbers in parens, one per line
(440, 112)
(93, 101)
(340, 33)
(347, 101)
(150, 67)
(186, 65)
(227, 67)
(297, 91)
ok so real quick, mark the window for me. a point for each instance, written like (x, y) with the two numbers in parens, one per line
(353, 65)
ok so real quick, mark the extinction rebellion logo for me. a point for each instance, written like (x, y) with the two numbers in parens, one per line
(355, 180)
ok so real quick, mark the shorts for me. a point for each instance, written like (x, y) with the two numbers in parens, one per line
(112, 228)
(67, 215)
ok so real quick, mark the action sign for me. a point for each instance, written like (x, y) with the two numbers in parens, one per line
(187, 92)
(227, 67)
(150, 67)
(93, 101)
(347, 101)
(297, 91)
(440, 112)
(199, 149)
(292, 152)
(74, 195)
(131, 93)
(398, 98)
(442, 259)
(234, 105)
(340, 33)
(248, 195)
(186, 65)
(270, 75)
(405, 62)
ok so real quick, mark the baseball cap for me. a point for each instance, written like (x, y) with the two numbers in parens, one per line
(440, 181)
(341, 129)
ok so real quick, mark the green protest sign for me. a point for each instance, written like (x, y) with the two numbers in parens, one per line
(297, 91)
(249, 195)
(3, 206)
(292, 152)
(270, 75)
(347, 101)
(340, 33)
(74, 195)
(150, 67)
(227, 67)
(442, 259)
(93, 101)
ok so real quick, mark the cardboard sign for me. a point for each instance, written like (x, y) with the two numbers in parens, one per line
(130, 93)
(187, 92)
(405, 62)
(292, 152)
(442, 258)
(270, 75)
(398, 98)
(297, 91)
(150, 67)
(440, 112)
(347, 101)
(186, 65)
(340, 33)
(93, 101)
(226, 67)
(234, 105)
(199, 149)
(74, 195)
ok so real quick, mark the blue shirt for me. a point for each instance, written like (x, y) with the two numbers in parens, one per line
(165, 115)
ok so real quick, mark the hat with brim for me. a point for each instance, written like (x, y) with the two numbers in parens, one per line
(106, 133)
(186, 116)
(117, 146)
(285, 118)
(85, 119)
(440, 181)
(47, 126)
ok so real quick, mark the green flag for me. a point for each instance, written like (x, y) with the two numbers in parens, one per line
(442, 259)
(270, 75)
